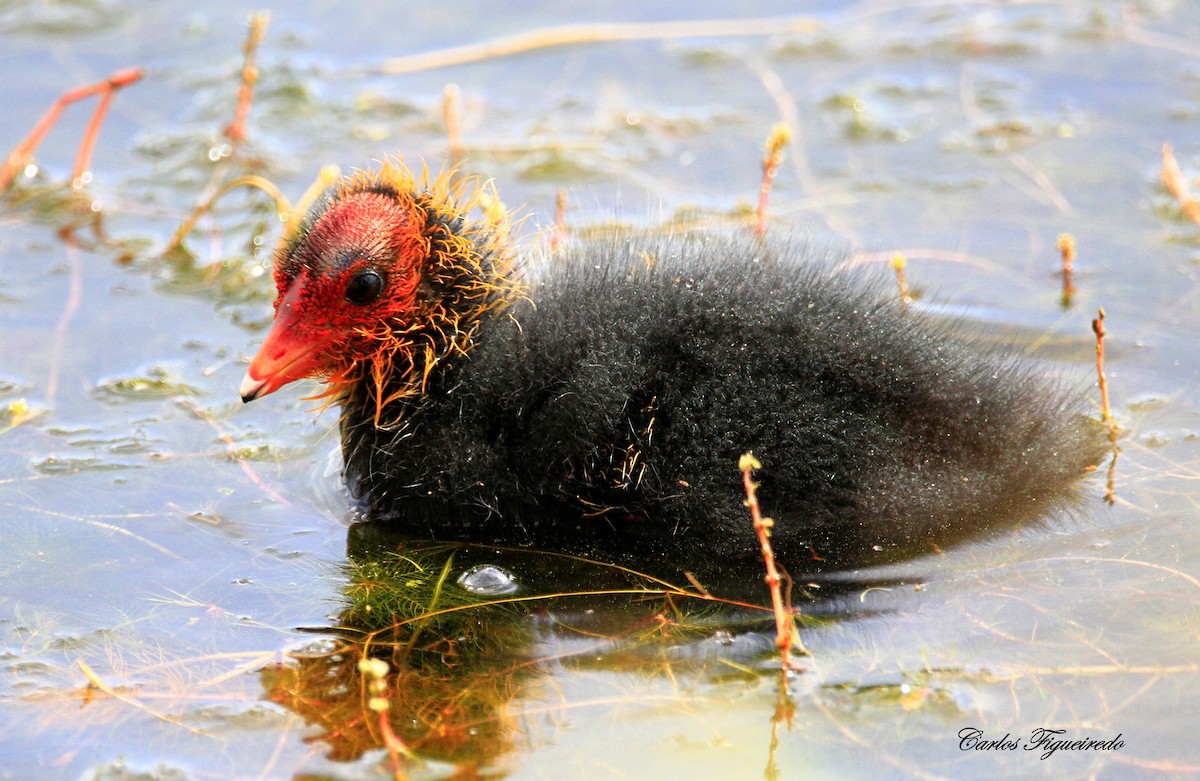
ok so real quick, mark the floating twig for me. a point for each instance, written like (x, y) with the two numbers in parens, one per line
(898, 264)
(258, 30)
(1175, 181)
(95, 681)
(572, 34)
(451, 113)
(780, 135)
(1066, 246)
(785, 628)
(19, 157)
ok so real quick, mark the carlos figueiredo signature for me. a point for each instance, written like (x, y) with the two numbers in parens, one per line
(1042, 739)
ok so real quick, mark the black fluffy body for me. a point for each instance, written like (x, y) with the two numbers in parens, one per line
(605, 415)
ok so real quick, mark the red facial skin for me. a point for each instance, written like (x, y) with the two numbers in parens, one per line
(317, 331)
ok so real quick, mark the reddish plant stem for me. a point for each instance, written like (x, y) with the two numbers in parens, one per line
(236, 130)
(899, 262)
(395, 747)
(258, 30)
(1066, 246)
(785, 711)
(1098, 329)
(87, 145)
(762, 527)
(376, 670)
(1175, 181)
(1110, 493)
(780, 135)
(19, 157)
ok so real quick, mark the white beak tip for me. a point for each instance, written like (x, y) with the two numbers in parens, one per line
(251, 388)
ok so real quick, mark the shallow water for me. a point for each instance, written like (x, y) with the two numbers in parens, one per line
(184, 549)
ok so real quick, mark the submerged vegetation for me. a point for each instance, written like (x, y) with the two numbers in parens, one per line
(436, 662)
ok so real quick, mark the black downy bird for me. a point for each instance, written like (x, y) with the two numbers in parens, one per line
(597, 402)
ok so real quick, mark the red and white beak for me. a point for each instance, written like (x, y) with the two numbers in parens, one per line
(288, 353)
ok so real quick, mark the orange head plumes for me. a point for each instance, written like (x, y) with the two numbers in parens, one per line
(385, 277)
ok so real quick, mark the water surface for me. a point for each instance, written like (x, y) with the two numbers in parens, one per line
(179, 546)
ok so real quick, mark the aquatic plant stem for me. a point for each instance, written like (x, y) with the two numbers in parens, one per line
(789, 113)
(87, 144)
(785, 629)
(377, 671)
(1066, 246)
(1110, 494)
(19, 157)
(236, 131)
(899, 262)
(282, 207)
(785, 711)
(1177, 184)
(1106, 410)
(780, 135)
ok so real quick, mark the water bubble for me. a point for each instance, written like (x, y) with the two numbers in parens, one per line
(723, 637)
(488, 580)
(314, 648)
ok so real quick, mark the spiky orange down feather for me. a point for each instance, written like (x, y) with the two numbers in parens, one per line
(390, 358)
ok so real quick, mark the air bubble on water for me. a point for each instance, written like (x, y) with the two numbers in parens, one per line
(488, 580)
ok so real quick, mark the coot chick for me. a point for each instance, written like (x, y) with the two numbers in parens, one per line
(597, 402)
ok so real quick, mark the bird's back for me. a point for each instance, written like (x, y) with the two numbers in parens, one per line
(612, 406)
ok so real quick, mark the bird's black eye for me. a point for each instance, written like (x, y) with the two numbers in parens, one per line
(364, 288)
